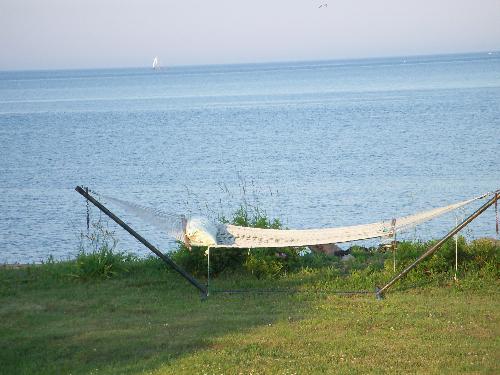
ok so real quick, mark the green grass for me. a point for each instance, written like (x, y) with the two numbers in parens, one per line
(150, 321)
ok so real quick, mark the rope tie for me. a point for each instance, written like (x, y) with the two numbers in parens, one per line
(456, 249)
(393, 225)
(496, 212)
(208, 270)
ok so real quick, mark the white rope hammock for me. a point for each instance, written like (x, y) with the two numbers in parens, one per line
(199, 231)
(232, 236)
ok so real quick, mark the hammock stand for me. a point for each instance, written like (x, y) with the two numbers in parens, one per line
(230, 236)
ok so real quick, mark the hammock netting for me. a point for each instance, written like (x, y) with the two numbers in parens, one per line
(232, 236)
(244, 237)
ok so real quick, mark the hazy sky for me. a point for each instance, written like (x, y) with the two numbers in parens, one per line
(44, 34)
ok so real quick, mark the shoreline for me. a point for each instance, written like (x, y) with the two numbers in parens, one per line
(382, 247)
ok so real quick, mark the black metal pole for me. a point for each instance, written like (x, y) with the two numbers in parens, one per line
(142, 240)
(436, 247)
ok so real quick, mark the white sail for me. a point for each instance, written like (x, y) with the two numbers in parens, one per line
(156, 63)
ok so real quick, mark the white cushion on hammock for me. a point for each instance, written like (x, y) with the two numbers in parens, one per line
(201, 232)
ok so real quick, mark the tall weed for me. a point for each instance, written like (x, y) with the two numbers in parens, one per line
(97, 258)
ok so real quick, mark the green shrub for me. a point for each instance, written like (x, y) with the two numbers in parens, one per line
(260, 262)
(444, 259)
(479, 257)
(101, 264)
(97, 258)
(250, 216)
(262, 266)
(484, 253)
(365, 258)
(311, 260)
(408, 251)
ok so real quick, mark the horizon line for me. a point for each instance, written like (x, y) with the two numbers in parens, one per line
(346, 59)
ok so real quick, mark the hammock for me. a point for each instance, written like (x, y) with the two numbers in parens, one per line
(232, 236)
(197, 231)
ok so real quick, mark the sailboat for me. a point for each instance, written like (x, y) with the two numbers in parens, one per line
(156, 63)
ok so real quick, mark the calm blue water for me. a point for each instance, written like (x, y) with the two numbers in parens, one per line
(316, 144)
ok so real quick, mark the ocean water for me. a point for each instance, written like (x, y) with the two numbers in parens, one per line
(317, 144)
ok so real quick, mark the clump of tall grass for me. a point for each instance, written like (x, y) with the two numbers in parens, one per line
(97, 257)
(477, 255)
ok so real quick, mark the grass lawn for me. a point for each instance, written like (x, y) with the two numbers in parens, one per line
(150, 321)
